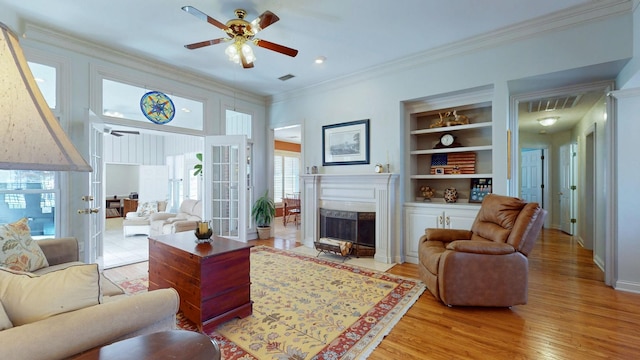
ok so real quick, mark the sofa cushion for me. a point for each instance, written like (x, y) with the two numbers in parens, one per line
(147, 208)
(5, 322)
(18, 251)
(107, 287)
(29, 297)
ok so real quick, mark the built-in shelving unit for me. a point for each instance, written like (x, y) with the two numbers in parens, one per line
(475, 138)
(421, 138)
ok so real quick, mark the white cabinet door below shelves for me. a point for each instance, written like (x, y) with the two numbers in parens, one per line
(419, 218)
(459, 219)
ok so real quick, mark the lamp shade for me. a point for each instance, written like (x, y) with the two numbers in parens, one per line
(30, 136)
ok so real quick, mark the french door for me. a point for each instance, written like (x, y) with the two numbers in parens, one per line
(94, 201)
(228, 185)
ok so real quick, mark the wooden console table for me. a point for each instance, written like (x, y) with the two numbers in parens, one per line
(212, 278)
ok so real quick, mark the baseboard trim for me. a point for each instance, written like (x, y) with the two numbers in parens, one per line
(627, 286)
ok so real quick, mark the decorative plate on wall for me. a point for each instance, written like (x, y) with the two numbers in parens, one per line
(157, 107)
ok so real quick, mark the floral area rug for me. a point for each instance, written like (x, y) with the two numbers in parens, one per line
(308, 308)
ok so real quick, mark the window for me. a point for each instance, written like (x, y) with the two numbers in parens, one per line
(122, 100)
(30, 194)
(27, 193)
(286, 174)
(46, 79)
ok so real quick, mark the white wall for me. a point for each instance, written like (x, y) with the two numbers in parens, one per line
(121, 180)
(593, 121)
(627, 226)
(627, 196)
(143, 149)
(378, 94)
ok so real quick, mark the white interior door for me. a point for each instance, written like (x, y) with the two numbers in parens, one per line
(95, 209)
(566, 168)
(228, 185)
(531, 175)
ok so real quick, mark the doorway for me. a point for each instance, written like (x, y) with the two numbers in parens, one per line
(287, 149)
(574, 111)
(149, 165)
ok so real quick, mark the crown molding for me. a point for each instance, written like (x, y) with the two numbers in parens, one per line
(574, 16)
(37, 33)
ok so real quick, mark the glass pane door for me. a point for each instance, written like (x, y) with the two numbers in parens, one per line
(225, 171)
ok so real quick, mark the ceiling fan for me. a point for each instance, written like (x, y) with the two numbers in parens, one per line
(241, 32)
(119, 133)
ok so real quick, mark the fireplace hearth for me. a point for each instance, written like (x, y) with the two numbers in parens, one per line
(356, 193)
(359, 228)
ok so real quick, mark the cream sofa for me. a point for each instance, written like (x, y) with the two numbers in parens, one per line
(117, 317)
(186, 219)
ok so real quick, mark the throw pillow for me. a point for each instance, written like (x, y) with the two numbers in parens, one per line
(28, 297)
(18, 251)
(5, 323)
(147, 208)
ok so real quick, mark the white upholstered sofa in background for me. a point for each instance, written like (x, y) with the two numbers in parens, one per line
(186, 219)
(138, 222)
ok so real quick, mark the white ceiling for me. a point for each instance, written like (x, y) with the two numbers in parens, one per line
(353, 35)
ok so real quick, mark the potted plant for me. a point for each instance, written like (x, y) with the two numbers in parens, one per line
(197, 168)
(263, 212)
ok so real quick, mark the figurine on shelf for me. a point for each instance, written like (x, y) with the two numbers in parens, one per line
(460, 119)
(426, 192)
(442, 121)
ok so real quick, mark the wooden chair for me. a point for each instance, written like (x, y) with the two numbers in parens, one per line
(291, 208)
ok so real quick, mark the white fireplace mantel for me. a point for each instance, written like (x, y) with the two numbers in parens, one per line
(353, 192)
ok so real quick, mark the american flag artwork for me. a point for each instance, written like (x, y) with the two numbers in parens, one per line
(454, 163)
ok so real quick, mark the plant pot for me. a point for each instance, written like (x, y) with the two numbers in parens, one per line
(264, 232)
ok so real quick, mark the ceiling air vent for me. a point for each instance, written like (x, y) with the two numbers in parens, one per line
(554, 103)
(286, 77)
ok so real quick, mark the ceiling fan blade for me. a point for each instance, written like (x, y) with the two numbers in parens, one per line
(261, 22)
(205, 43)
(245, 64)
(204, 17)
(276, 47)
(119, 133)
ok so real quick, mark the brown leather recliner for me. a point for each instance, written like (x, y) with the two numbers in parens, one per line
(486, 266)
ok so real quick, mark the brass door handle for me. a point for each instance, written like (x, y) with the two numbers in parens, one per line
(88, 211)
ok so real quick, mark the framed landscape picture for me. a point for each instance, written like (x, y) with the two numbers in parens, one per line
(346, 143)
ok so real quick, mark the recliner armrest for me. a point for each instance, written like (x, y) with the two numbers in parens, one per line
(446, 235)
(481, 247)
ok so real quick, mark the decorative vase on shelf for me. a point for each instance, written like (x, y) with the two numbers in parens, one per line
(450, 195)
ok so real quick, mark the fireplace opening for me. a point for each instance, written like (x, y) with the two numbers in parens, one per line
(357, 227)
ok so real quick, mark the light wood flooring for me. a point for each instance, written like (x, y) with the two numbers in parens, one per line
(571, 314)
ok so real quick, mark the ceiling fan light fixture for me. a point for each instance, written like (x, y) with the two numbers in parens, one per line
(233, 53)
(248, 53)
(548, 121)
